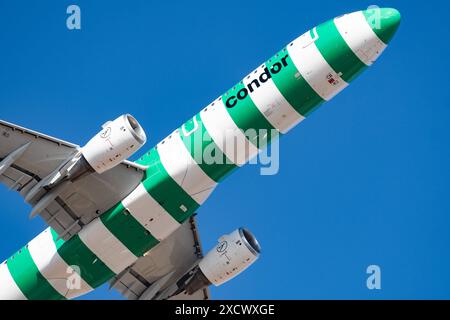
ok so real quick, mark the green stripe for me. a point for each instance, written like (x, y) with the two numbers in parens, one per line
(128, 230)
(247, 116)
(337, 53)
(29, 279)
(205, 151)
(75, 253)
(163, 189)
(293, 86)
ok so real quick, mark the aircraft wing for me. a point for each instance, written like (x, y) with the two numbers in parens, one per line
(152, 276)
(27, 157)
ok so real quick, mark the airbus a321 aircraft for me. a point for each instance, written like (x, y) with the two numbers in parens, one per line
(132, 223)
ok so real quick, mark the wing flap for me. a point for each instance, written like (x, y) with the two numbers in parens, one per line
(44, 153)
(17, 180)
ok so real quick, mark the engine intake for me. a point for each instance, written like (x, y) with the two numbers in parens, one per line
(117, 141)
(235, 253)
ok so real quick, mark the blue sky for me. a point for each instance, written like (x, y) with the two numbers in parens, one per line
(365, 180)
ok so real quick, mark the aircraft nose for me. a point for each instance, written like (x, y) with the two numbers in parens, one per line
(383, 21)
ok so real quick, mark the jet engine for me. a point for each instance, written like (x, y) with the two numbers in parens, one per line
(117, 141)
(234, 254)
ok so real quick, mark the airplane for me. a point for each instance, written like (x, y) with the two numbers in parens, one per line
(133, 224)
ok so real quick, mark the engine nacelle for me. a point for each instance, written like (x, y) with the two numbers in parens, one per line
(117, 141)
(235, 252)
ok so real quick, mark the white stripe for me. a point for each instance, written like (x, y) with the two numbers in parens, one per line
(360, 37)
(106, 246)
(314, 68)
(226, 135)
(150, 214)
(271, 103)
(54, 268)
(8, 287)
(183, 169)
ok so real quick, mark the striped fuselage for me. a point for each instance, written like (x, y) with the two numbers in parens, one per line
(275, 97)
